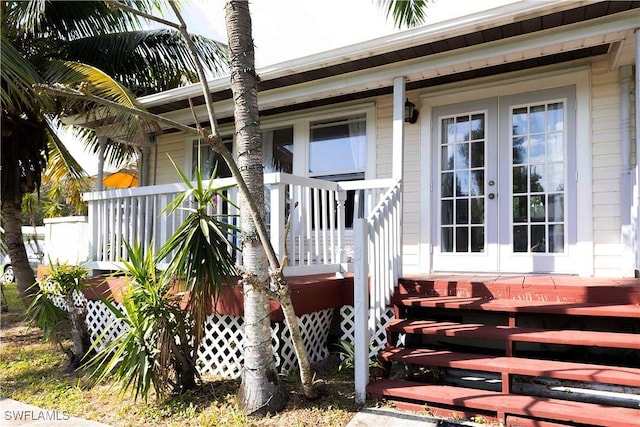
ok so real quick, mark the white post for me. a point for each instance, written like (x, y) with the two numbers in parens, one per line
(361, 309)
(341, 202)
(398, 127)
(277, 219)
(102, 141)
(626, 184)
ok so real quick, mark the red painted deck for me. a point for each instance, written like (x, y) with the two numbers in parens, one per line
(308, 294)
(504, 405)
(525, 287)
(533, 327)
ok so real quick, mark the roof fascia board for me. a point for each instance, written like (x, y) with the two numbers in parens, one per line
(428, 33)
(383, 76)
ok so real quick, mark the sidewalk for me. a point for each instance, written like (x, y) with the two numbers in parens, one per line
(387, 417)
(16, 413)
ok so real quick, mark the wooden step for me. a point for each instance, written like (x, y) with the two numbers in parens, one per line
(514, 365)
(531, 288)
(514, 334)
(506, 404)
(519, 306)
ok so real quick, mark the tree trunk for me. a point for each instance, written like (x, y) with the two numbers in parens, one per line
(79, 332)
(24, 277)
(260, 391)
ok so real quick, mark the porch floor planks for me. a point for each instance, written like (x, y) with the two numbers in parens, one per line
(516, 334)
(519, 306)
(506, 404)
(543, 288)
(514, 365)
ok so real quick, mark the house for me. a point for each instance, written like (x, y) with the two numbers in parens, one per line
(503, 142)
(523, 157)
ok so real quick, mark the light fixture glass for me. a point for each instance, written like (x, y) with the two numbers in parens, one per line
(410, 112)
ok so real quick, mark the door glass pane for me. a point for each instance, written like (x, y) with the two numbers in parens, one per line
(462, 239)
(477, 155)
(477, 239)
(462, 173)
(538, 178)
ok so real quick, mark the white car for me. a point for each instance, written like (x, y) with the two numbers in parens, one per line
(35, 255)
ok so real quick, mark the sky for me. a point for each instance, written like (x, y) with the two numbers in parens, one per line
(290, 29)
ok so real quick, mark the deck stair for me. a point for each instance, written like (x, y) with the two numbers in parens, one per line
(521, 351)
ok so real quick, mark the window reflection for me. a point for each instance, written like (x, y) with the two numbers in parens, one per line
(538, 180)
(462, 162)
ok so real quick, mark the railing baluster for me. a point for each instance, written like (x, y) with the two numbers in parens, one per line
(316, 240)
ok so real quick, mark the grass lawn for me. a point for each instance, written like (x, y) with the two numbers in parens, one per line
(35, 372)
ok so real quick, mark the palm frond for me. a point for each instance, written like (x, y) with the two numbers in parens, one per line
(74, 73)
(69, 19)
(18, 76)
(61, 163)
(129, 127)
(147, 61)
(405, 13)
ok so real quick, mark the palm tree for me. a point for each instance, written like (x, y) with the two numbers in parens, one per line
(75, 42)
(261, 391)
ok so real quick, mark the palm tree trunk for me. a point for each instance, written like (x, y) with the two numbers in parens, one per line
(24, 277)
(260, 391)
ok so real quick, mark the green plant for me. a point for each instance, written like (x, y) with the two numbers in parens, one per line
(154, 350)
(346, 351)
(66, 281)
(201, 248)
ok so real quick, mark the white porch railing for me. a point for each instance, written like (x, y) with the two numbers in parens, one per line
(377, 268)
(318, 241)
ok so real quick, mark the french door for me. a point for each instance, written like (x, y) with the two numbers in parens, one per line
(502, 188)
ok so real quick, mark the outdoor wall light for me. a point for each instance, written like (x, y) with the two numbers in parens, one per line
(410, 112)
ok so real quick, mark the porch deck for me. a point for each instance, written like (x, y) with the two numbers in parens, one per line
(309, 294)
(519, 350)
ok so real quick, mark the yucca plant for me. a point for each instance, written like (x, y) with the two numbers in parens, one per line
(154, 349)
(201, 251)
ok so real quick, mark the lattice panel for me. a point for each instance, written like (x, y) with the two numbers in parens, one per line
(220, 352)
(315, 331)
(59, 301)
(378, 338)
(98, 318)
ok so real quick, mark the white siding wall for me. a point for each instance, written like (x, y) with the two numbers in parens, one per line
(168, 145)
(607, 166)
(411, 190)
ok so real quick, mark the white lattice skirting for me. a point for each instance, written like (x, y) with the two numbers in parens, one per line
(221, 350)
(378, 337)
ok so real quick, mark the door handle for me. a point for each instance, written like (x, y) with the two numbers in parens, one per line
(492, 196)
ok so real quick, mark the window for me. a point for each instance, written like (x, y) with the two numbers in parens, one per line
(207, 158)
(337, 152)
(278, 150)
(337, 148)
